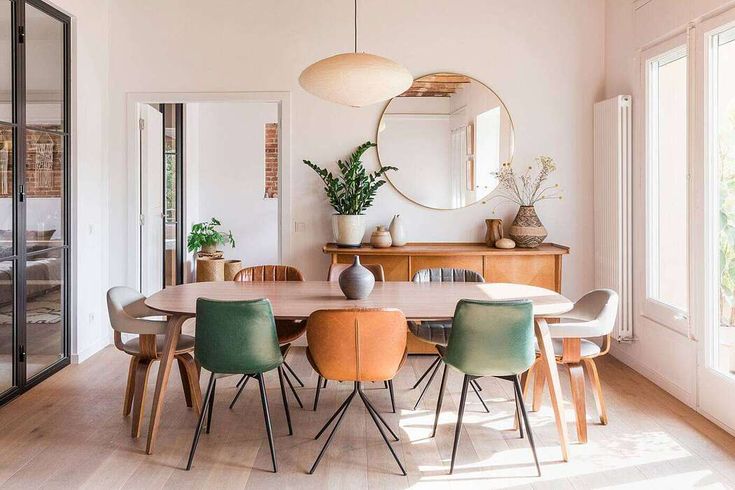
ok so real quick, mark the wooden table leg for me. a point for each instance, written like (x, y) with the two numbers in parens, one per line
(173, 332)
(548, 365)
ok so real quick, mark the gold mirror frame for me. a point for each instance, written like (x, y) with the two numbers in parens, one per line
(381, 124)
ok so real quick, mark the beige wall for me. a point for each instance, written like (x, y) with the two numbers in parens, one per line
(543, 58)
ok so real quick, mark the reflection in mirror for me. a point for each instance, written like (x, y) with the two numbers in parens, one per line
(448, 134)
(44, 70)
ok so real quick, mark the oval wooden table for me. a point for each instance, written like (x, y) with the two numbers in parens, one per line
(297, 300)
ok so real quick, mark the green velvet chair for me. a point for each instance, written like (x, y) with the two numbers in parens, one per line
(237, 337)
(489, 338)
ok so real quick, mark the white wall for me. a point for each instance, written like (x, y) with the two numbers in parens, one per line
(90, 184)
(544, 59)
(231, 177)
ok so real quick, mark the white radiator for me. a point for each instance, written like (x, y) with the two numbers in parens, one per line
(612, 206)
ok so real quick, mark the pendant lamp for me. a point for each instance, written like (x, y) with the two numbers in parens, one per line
(355, 79)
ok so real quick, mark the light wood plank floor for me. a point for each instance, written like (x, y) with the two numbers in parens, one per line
(69, 433)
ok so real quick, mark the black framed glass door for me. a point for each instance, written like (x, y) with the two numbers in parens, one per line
(34, 197)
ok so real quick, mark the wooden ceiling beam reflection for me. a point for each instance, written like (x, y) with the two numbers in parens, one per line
(436, 85)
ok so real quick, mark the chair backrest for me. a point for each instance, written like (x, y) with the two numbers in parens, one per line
(237, 337)
(447, 274)
(336, 269)
(126, 308)
(269, 273)
(357, 344)
(594, 315)
(492, 338)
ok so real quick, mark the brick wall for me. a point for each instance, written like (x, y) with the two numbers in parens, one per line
(271, 160)
(43, 164)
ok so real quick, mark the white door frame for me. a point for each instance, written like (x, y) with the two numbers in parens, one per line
(283, 99)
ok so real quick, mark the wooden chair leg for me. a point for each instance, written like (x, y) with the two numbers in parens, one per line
(189, 372)
(576, 379)
(141, 382)
(539, 380)
(130, 387)
(594, 377)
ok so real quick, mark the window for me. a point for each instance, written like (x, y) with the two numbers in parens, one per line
(667, 271)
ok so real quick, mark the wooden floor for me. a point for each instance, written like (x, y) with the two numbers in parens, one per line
(69, 433)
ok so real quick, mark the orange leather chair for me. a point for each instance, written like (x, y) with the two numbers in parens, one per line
(336, 269)
(356, 345)
(287, 330)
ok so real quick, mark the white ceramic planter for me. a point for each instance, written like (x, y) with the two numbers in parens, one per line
(348, 229)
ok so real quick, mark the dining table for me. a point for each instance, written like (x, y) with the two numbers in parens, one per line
(298, 300)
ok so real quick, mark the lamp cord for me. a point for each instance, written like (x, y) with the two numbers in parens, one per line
(355, 26)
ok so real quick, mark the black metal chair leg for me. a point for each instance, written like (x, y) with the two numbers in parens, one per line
(458, 428)
(293, 373)
(372, 408)
(242, 380)
(267, 417)
(342, 410)
(474, 388)
(518, 414)
(318, 389)
(200, 423)
(334, 415)
(293, 390)
(436, 365)
(432, 366)
(382, 433)
(392, 395)
(241, 384)
(440, 399)
(285, 401)
(477, 385)
(519, 396)
(325, 383)
(211, 407)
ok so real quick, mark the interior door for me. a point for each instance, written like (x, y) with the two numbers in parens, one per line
(151, 199)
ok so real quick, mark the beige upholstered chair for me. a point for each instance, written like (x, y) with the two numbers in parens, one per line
(593, 316)
(128, 314)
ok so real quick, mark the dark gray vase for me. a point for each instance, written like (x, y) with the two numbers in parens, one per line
(356, 282)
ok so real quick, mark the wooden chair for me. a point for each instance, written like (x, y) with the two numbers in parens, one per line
(128, 311)
(358, 345)
(336, 269)
(288, 330)
(592, 316)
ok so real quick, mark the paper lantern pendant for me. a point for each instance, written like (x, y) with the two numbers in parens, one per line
(356, 79)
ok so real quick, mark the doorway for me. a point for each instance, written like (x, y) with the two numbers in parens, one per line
(34, 194)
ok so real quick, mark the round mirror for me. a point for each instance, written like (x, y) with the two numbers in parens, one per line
(448, 134)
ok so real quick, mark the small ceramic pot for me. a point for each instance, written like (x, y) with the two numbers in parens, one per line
(397, 232)
(527, 230)
(356, 282)
(380, 238)
(348, 229)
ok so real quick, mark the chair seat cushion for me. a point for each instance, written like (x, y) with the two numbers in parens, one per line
(587, 347)
(289, 330)
(186, 343)
(433, 332)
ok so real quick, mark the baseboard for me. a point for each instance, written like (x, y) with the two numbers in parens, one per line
(673, 389)
(88, 352)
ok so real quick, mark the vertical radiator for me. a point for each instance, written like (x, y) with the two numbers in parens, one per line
(612, 206)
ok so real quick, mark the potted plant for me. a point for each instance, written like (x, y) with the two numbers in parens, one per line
(350, 193)
(205, 237)
(526, 190)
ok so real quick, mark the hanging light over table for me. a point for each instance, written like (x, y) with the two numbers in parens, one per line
(355, 79)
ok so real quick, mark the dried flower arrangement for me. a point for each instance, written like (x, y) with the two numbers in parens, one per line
(528, 188)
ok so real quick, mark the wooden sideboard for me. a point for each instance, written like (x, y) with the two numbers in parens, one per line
(539, 266)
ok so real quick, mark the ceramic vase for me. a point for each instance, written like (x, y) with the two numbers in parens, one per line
(381, 238)
(527, 230)
(494, 231)
(348, 229)
(397, 232)
(356, 282)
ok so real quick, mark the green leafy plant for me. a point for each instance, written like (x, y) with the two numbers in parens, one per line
(353, 190)
(206, 234)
